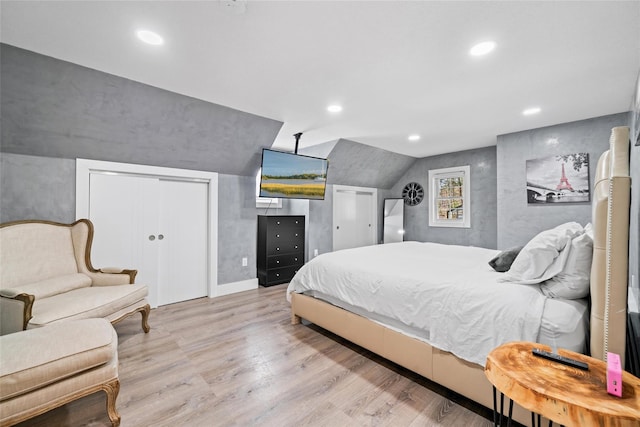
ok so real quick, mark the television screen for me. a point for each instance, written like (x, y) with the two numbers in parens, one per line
(293, 176)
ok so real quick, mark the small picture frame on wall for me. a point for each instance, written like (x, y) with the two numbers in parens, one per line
(558, 179)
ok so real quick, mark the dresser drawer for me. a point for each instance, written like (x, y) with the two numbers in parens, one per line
(279, 261)
(285, 244)
(281, 275)
(285, 222)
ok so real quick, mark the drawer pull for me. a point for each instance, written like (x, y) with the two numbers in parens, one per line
(277, 262)
(277, 274)
(277, 236)
(296, 246)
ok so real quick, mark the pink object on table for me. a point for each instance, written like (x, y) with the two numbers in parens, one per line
(614, 374)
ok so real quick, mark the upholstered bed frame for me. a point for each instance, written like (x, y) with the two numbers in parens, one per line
(610, 219)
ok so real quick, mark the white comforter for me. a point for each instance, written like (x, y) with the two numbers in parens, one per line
(448, 293)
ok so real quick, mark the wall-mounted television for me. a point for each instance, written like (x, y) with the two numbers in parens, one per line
(293, 176)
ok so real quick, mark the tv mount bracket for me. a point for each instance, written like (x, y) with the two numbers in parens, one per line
(297, 135)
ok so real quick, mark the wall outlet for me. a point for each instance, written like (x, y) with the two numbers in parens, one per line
(244, 261)
(315, 252)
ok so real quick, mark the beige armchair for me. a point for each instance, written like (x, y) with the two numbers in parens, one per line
(46, 277)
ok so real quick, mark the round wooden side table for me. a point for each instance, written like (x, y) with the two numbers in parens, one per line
(561, 393)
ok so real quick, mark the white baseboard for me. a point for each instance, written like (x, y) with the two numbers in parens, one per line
(234, 287)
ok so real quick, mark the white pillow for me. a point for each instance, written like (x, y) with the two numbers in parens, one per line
(588, 229)
(539, 260)
(573, 282)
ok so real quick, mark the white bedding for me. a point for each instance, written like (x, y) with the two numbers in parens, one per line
(446, 295)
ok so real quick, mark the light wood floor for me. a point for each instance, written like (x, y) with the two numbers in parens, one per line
(237, 361)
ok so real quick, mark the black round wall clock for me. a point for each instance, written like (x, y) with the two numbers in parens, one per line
(413, 193)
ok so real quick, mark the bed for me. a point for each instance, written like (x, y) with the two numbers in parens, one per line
(439, 309)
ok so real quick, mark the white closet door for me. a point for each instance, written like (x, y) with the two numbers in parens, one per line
(364, 223)
(183, 235)
(344, 232)
(124, 212)
(354, 213)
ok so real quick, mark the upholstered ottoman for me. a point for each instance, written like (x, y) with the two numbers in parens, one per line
(43, 368)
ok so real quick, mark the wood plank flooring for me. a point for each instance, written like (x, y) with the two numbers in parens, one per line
(237, 361)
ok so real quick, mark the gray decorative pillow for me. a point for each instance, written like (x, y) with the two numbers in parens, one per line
(502, 262)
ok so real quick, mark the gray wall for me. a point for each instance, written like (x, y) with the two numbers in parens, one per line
(54, 108)
(352, 163)
(320, 234)
(518, 221)
(37, 188)
(482, 233)
(237, 228)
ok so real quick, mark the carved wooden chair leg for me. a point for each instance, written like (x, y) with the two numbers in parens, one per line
(145, 318)
(112, 389)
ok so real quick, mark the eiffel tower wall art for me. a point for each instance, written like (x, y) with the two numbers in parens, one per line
(558, 179)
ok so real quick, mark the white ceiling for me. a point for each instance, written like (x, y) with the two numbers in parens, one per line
(397, 67)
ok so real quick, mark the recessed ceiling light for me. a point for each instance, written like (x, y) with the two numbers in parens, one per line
(530, 111)
(414, 137)
(150, 37)
(334, 108)
(482, 48)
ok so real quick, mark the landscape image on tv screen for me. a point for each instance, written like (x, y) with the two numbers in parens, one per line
(291, 175)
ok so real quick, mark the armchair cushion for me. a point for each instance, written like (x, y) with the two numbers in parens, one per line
(82, 303)
(53, 286)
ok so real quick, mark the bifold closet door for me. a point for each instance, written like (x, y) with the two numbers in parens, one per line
(353, 219)
(124, 212)
(158, 227)
(183, 218)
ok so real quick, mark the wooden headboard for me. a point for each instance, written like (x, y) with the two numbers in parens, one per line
(610, 267)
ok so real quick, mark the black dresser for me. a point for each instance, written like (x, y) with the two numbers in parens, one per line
(280, 248)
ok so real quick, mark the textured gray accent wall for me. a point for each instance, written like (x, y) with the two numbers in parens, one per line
(37, 188)
(518, 221)
(359, 165)
(54, 108)
(320, 235)
(237, 228)
(319, 150)
(482, 162)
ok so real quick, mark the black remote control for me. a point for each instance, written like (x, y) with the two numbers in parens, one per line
(560, 359)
